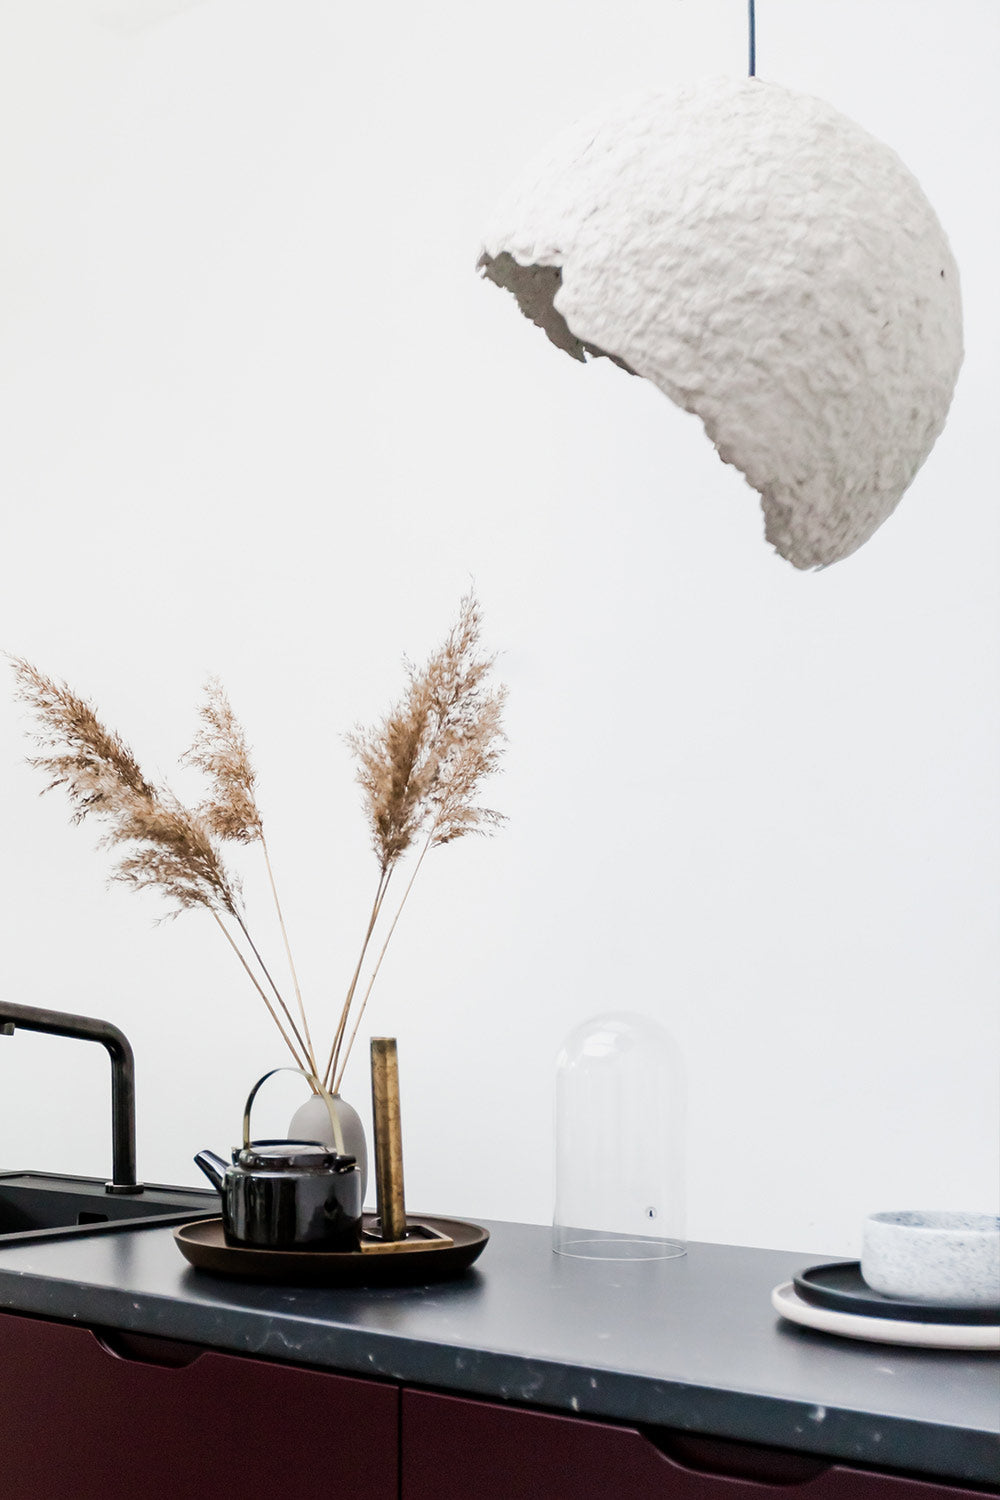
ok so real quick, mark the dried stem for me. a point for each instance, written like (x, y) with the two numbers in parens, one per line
(288, 952)
(277, 993)
(338, 1035)
(378, 964)
(300, 1062)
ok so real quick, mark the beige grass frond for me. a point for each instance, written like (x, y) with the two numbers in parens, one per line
(395, 772)
(169, 847)
(471, 750)
(172, 850)
(221, 752)
(92, 763)
(422, 764)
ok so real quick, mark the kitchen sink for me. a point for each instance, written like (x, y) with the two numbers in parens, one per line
(46, 1205)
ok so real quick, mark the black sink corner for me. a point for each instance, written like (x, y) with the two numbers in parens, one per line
(49, 1205)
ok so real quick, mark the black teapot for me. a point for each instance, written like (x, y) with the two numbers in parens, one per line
(286, 1195)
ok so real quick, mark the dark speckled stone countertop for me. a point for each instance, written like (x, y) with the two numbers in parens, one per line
(691, 1343)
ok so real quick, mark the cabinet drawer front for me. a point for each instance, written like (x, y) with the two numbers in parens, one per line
(78, 1421)
(453, 1449)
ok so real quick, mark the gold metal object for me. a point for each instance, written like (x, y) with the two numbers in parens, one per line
(388, 1139)
(418, 1237)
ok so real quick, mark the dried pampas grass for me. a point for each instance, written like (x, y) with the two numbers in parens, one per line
(171, 847)
(220, 752)
(420, 769)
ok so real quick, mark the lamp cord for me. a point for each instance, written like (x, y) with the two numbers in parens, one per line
(752, 47)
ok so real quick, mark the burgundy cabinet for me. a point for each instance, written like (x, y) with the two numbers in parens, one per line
(88, 1416)
(456, 1449)
(86, 1419)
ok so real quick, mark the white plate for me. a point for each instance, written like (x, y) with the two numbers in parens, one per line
(786, 1300)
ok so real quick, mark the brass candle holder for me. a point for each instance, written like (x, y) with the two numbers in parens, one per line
(394, 1230)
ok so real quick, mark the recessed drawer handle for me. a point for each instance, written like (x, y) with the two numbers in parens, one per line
(147, 1348)
(727, 1459)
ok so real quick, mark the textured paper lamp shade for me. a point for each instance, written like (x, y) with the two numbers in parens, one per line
(769, 266)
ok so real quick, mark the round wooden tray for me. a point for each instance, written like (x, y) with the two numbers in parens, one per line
(204, 1245)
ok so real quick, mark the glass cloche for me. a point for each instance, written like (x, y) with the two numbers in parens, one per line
(619, 1135)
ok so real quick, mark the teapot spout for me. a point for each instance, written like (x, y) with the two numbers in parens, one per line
(214, 1168)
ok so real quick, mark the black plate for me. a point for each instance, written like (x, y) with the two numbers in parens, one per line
(839, 1285)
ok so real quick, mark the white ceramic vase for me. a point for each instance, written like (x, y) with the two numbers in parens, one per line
(311, 1122)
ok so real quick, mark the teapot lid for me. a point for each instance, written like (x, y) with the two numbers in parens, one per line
(291, 1156)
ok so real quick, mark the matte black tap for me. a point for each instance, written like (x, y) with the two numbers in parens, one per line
(59, 1023)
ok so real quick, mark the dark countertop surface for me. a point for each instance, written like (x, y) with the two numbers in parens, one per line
(691, 1343)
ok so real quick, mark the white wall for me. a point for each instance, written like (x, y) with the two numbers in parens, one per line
(260, 417)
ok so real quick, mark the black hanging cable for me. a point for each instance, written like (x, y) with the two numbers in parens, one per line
(752, 24)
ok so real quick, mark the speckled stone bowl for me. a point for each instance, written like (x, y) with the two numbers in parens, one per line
(949, 1258)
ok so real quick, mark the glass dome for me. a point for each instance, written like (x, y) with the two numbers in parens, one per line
(619, 1134)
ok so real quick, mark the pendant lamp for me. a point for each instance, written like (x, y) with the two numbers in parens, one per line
(769, 266)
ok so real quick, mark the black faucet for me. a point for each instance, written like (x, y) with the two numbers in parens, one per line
(59, 1023)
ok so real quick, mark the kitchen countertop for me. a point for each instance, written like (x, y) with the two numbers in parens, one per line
(691, 1343)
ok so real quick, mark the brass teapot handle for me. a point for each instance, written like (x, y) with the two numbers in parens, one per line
(338, 1134)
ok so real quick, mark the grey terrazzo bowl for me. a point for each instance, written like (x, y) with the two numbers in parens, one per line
(948, 1258)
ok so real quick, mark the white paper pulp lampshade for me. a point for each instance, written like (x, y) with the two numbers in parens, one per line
(769, 266)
